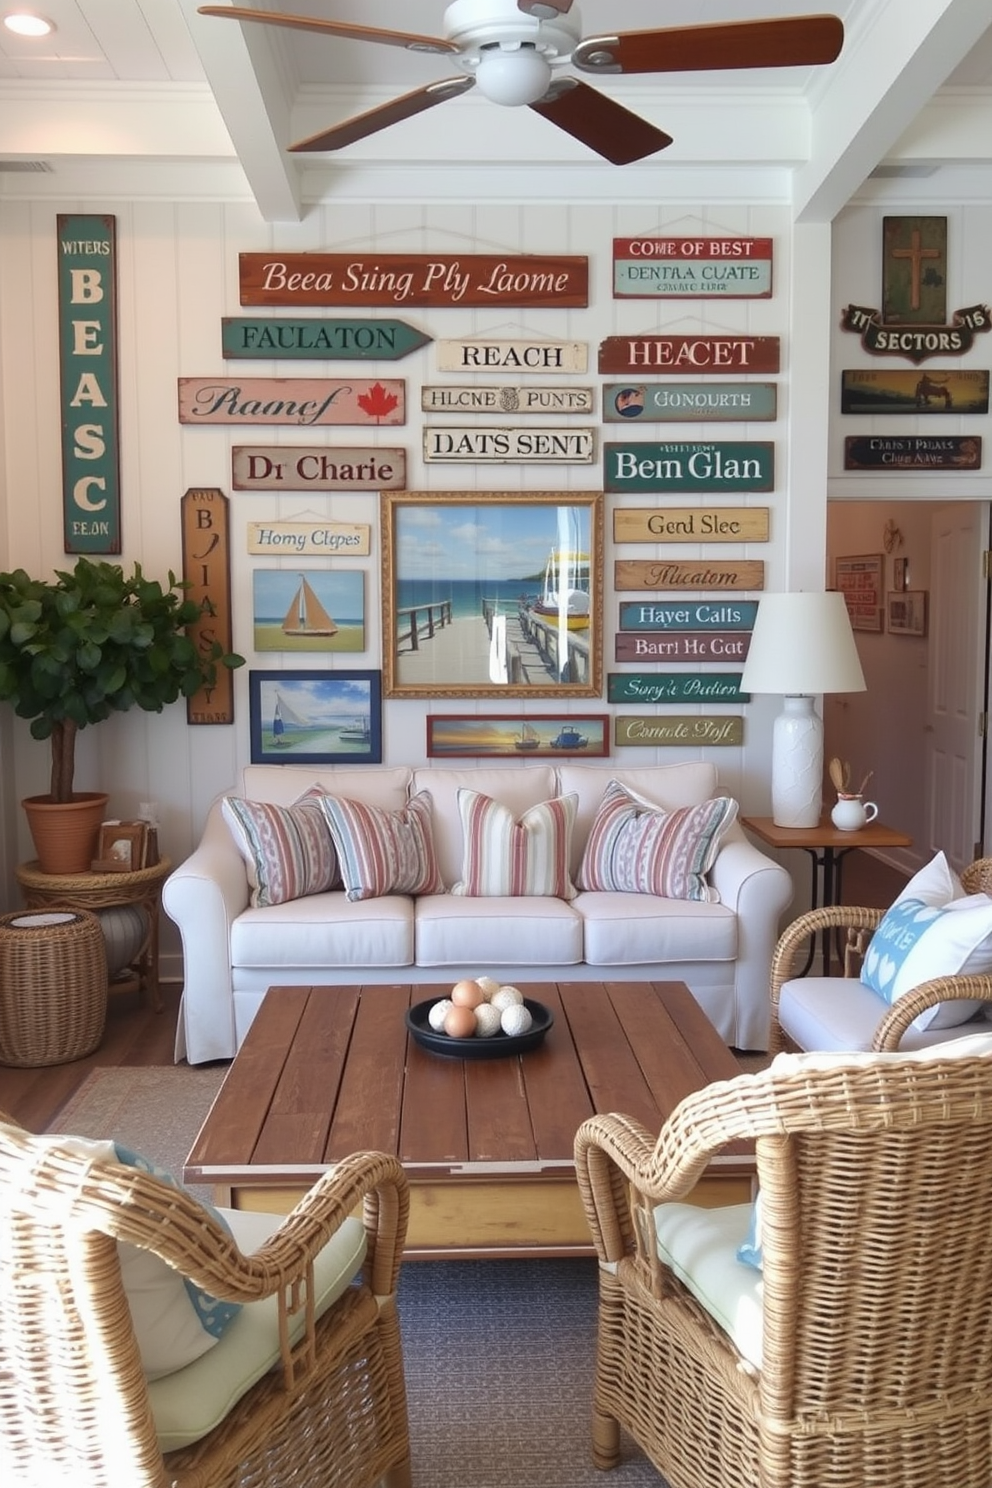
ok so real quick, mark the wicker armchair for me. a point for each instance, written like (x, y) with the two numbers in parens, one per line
(876, 1182)
(75, 1408)
(848, 1019)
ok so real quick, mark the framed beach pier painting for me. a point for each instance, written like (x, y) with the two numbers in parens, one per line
(315, 718)
(495, 594)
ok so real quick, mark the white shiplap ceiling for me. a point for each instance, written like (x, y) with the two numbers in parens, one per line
(148, 89)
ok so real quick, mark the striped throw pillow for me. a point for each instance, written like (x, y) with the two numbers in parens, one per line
(384, 852)
(506, 857)
(635, 847)
(288, 850)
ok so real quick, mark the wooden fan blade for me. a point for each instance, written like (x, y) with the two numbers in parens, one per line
(600, 122)
(407, 39)
(545, 10)
(796, 41)
(393, 112)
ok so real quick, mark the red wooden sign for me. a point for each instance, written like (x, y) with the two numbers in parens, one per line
(692, 645)
(720, 354)
(413, 279)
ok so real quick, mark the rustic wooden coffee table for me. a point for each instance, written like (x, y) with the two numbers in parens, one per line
(486, 1143)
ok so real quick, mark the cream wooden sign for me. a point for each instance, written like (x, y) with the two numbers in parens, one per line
(509, 446)
(676, 729)
(691, 524)
(310, 539)
(478, 355)
(452, 398)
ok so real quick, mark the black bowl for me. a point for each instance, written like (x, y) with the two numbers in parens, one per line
(496, 1047)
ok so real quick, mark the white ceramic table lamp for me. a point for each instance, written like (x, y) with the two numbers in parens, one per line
(801, 646)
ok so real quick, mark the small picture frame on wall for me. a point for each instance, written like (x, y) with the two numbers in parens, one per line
(900, 574)
(908, 613)
(860, 579)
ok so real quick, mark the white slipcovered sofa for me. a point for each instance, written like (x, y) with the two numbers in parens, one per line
(234, 951)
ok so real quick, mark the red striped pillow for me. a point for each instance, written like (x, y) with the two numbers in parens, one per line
(384, 852)
(635, 847)
(288, 850)
(505, 857)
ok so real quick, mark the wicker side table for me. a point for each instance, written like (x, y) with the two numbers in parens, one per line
(96, 891)
(53, 986)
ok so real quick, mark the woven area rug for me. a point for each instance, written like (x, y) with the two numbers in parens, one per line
(499, 1354)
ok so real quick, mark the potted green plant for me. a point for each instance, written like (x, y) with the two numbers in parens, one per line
(86, 643)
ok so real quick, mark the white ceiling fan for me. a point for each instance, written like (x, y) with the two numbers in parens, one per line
(516, 53)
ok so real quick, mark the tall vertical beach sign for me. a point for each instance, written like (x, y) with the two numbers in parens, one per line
(88, 391)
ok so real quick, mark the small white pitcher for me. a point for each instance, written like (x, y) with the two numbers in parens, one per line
(851, 813)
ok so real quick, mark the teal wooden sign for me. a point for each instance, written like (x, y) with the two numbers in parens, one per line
(674, 687)
(320, 340)
(685, 466)
(681, 614)
(88, 394)
(689, 402)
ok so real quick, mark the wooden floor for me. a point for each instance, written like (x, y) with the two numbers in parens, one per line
(135, 1034)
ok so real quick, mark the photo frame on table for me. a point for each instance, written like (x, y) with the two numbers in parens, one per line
(908, 613)
(494, 594)
(860, 579)
(518, 735)
(315, 717)
(120, 847)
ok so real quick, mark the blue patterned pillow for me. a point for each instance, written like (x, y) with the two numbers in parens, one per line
(917, 941)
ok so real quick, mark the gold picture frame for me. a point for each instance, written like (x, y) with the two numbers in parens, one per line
(492, 594)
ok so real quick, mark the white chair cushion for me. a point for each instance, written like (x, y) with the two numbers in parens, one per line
(326, 930)
(191, 1402)
(284, 784)
(669, 786)
(532, 931)
(972, 1043)
(638, 929)
(700, 1246)
(841, 1014)
(516, 789)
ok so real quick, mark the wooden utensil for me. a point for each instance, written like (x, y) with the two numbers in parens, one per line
(836, 772)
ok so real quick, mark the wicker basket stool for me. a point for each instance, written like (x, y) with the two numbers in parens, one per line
(53, 986)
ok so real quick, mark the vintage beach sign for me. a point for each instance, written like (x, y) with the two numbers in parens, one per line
(287, 400)
(915, 452)
(455, 398)
(517, 446)
(700, 645)
(684, 466)
(649, 733)
(207, 571)
(676, 614)
(437, 279)
(479, 355)
(88, 389)
(675, 687)
(276, 467)
(673, 573)
(320, 340)
(675, 524)
(895, 390)
(310, 539)
(689, 354)
(685, 402)
(692, 268)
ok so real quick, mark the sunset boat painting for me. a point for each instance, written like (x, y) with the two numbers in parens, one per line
(529, 738)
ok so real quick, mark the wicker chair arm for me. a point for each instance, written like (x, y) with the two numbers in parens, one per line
(610, 1151)
(888, 1034)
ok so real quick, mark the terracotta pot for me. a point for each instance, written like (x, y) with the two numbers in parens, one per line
(66, 833)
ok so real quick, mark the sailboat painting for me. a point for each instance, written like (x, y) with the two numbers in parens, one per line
(474, 736)
(309, 610)
(315, 718)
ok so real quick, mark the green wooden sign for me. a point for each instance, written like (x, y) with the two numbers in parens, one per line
(88, 395)
(685, 466)
(689, 402)
(320, 340)
(675, 687)
(682, 614)
(652, 733)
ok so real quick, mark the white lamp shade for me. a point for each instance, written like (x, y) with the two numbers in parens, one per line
(802, 643)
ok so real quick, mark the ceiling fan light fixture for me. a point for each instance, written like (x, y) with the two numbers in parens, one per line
(513, 75)
(27, 23)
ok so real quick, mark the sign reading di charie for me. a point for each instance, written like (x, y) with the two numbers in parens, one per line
(477, 355)
(689, 467)
(689, 402)
(692, 268)
(438, 279)
(316, 468)
(680, 614)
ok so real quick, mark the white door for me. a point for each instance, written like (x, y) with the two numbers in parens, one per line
(956, 684)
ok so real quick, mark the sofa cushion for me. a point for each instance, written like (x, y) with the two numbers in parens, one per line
(325, 931)
(841, 1014)
(668, 786)
(482, 933)
(635, 847)
(283, 784)
(641, 929)
(384, 852)
(288, 850)
(700, 1246)
(505, 856)
(517, 788)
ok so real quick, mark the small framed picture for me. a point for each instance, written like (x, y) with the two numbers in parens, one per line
(120, 848)
(315, 717)
(900, 574)
(908, 613)
(551, 735)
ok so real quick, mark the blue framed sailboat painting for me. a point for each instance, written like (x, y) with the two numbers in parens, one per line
(315, 718)
(314, 609)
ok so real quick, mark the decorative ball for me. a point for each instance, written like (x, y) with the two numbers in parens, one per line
(507, 997)
(489, 985)
(467, 993)
(437, 1013)
(460, 1022)
(487, 1020)
(515, 1020)
(124, 927)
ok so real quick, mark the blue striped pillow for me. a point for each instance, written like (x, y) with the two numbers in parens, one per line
(384, 852)
(635, 847)
(288, 850)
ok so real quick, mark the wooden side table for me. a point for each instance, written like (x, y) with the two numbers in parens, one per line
(96, 891)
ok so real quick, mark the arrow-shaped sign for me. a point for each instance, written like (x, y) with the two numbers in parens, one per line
(320, 340)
